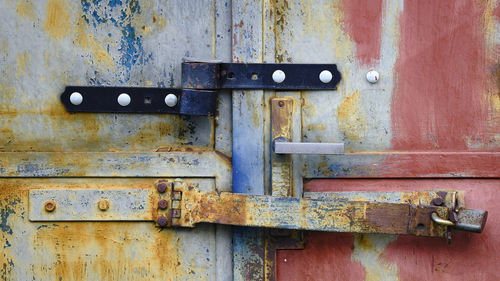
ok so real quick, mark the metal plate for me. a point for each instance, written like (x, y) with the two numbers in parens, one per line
(142, 100)
(82, 205)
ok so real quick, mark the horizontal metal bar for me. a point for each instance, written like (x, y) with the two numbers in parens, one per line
(139, 100)
(115, 164)
(203, 75)
(308, 148)
(90, 205)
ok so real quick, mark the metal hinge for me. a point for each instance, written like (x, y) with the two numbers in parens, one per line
(200, 82)
(182, 203)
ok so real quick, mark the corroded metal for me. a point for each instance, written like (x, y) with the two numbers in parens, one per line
(189, 206)
(281, 165)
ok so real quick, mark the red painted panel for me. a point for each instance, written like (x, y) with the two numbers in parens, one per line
(442, 77)
(328, 256)
(362, 21)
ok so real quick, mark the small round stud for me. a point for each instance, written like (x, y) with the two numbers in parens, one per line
(103, 205)
(76, 98)
(372, 76)
(325, 76)
(279, 76)
(50, 206)
(171, 100)
(123, 99)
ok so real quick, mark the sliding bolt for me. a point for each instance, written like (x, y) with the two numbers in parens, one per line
(279, 76)
(171, 100)
(325, 76)
(124, 99)
(76, 98)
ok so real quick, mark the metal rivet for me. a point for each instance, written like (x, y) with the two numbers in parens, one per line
(438, 201)
(325, 76)
(162, 221)
(372, 76)
(123, 99)
(279, 76)
(50, 206)
(103, 204)
(163, 204)
(162, 187)
(76, 98)
(171, 100)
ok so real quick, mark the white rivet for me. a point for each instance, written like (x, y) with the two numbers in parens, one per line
(284, 260)
(124, 99)
(279, 76)
(171, 100)
(372, 76)
(76, 98)
(325, 76)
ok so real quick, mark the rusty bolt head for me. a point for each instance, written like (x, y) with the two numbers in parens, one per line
(162, 221)
(162, 187)
(163, 204)
(50, 206)
(103, 204)
(438, 201)
(452, 216)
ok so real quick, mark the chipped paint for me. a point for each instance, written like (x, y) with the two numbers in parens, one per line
(350, 116)
(368, 249)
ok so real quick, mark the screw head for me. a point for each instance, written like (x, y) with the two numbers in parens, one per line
(438, 201)
(103, 204)
(50, 206)
(76, 98)
(279, 76)
(161, 187)
(372, 76)
(162, 221)
(123, 99)
(163, 204)
(171, 100)
(325, 76)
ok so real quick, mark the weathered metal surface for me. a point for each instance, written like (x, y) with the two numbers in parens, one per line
(399, 257)
(281, 171)
(85, 205)
(45, 45)
(97, 250)
(142, 100)
(183, 204)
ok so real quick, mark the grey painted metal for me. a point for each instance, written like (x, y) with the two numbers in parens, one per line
(308, 148)
(81, 205)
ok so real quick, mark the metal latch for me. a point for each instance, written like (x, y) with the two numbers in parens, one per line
(182, 203)
(200, 81)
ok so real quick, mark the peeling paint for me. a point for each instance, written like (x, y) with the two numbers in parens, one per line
(368, 249)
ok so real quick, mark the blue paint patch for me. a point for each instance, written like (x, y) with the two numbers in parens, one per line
(7, 209)
(104, 15)
(42, 226)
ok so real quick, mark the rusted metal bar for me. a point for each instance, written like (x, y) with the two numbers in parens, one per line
(189, 206)
(281, 165)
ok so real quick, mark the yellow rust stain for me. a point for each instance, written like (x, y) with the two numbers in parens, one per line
(22, 60)
(25, 9)
(368, 249)
(148, 21)
(350, 116)
(58, 21)
(88, 41)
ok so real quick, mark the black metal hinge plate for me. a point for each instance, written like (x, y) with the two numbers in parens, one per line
(200, 75)
(142, 100)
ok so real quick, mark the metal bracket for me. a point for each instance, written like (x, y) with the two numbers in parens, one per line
(199, 80)
(203, 75)
(139, 100)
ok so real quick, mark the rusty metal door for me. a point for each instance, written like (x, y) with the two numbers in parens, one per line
(78, 191)
(430, 120)
(46, 45)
